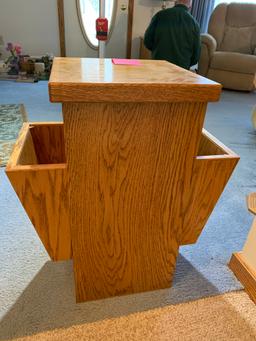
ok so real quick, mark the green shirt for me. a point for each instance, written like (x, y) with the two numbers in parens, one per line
(174, 35)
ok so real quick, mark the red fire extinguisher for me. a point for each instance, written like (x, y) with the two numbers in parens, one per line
(102, 29)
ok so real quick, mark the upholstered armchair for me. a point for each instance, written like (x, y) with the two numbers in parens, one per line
(228, 53)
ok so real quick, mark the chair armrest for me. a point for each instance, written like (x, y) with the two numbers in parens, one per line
(208, 47)
(210, 43)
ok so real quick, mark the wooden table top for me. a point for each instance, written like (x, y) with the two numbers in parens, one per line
(99, 80)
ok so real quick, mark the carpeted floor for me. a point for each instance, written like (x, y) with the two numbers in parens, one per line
(37, 295)
(225, 317)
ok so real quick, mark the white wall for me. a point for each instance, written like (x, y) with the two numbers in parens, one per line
(34, 24)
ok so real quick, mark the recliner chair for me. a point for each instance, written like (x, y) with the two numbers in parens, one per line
(228, 53)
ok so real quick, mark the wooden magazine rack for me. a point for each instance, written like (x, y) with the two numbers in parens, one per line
(129, 177)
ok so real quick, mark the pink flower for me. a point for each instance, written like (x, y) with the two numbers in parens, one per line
(18, 49)
(9, 46)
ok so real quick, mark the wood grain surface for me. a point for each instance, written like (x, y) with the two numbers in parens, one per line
(249, 249)
(61, 21)
(209, 178)
(129, 28)
(99, 80)
(212, 169)
(24, 150)
(210, 145)
(128, 165)
(243, 263)
(48, 140)
(244, 274)
(251, 202)
(42, 188)
(136, 180)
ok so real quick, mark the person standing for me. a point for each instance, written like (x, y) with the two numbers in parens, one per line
(174, 35)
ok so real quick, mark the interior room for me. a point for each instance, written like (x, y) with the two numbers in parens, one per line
(127, 170)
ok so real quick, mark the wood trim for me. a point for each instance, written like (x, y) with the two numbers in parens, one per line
(244, 274)
(21, 139)
(110, 93)
(251, 203)
(129, 29)
(24, 112)
(61, 19)
(35, 167)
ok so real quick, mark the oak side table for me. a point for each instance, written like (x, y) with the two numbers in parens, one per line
(127, 178)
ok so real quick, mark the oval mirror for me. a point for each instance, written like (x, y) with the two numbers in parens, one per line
(88, 12)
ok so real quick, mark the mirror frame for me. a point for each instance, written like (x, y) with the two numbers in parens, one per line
(111, 27)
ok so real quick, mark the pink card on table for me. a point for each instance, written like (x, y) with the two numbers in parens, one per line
(118, 61)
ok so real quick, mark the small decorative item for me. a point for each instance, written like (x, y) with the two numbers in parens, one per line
(13, 60)
(39, 68)
(27, 66)
(47, 60)
(3, 67)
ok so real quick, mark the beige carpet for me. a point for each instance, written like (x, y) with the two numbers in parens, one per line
(231, 316)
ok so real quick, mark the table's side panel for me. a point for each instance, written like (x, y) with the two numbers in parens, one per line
(128, 167)
(42, 193)
(209, 178)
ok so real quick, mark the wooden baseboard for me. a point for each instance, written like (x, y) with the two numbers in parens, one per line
(244, 274)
